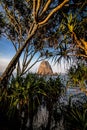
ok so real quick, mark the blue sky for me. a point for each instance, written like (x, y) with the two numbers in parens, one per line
(6, 48)
(7, 52)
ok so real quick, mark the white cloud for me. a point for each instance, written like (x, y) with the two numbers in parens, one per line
(3, 63)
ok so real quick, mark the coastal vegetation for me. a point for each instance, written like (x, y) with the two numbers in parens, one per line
(26, 95)
(55, 30)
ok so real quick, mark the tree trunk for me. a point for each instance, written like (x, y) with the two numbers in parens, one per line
(31, 114)
(11, 66)
(50, 109)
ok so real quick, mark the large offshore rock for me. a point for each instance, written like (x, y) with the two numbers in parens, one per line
(45, 68)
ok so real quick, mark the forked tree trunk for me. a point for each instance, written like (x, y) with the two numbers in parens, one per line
(11, 66)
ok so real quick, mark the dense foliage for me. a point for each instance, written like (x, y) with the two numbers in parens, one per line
(26, 95)
(78, 76)
(76, 117)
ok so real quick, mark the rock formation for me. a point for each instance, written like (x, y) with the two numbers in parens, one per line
(45, 68)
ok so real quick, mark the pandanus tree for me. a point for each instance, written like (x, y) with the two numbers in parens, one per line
(53, 90)
(25, 95)
(70, 36)
(2, 23)
(78, 76)
(74, 29)
(26, 18)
